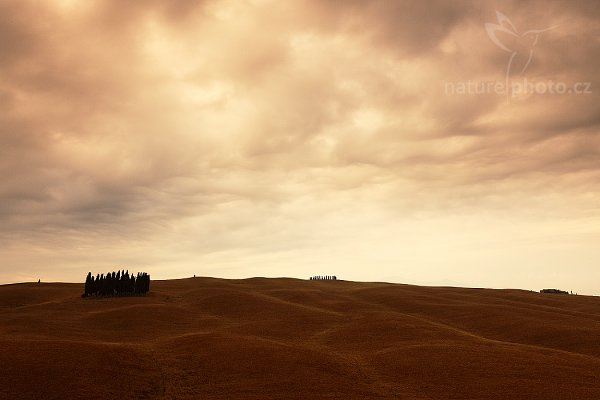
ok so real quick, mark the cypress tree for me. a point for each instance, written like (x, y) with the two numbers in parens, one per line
(107, 284)
(88, 285)
(117, 283)
(113, 283)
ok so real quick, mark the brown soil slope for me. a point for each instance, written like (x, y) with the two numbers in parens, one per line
(262, 338)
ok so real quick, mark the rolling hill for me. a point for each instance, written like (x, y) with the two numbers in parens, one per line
(259, 338)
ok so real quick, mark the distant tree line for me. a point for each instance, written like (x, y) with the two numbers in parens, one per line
(116, 284)
(323, 278)
(554, 291)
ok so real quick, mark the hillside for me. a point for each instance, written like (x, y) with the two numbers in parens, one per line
(259, 338)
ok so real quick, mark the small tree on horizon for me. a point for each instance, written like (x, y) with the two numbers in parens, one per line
(88, 285)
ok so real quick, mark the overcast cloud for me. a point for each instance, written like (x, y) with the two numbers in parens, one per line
(244, 138)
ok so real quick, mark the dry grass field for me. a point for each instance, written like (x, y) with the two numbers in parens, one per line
(259, 338)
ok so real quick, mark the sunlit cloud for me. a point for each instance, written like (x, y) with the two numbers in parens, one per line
(292, 139)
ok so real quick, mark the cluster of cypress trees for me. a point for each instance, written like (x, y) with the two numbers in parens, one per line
(119, 283)
(323, 278)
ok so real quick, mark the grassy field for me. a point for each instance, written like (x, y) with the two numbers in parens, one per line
(205, 338)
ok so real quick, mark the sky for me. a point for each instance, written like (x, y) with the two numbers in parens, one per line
(425, 142)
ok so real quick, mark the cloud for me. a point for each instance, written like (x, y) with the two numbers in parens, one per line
(231, 138)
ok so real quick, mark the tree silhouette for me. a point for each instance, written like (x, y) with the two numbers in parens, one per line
(88, 285)
(116, 284)
(323, 278)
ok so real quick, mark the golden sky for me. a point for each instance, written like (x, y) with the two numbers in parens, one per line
(294, 138)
